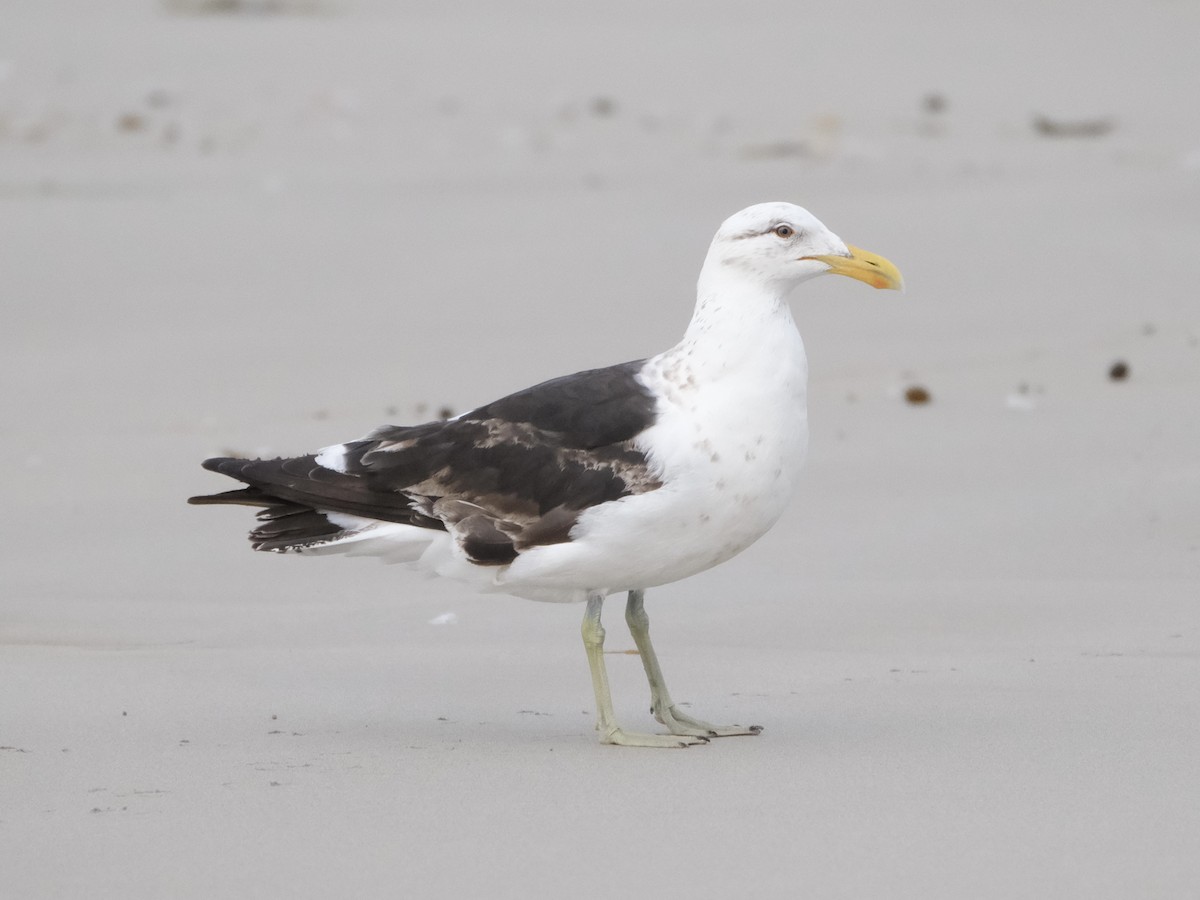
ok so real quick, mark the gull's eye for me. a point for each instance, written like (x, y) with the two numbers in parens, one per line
(784, 231)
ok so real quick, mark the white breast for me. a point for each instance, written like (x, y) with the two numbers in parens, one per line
(728, 444)
(731, 447)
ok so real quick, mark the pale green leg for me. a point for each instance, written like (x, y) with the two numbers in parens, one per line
(606, 723)
(661, 704)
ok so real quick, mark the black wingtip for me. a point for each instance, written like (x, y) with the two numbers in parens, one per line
(233, 467)
(213, 463)
(226, 465)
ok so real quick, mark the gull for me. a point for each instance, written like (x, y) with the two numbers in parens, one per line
(611, 480)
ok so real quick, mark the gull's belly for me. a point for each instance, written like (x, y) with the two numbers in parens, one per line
(729, 487)
(723, 488)
(727, 448)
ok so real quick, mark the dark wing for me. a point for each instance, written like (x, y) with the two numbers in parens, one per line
(510, 475)
(596, 408)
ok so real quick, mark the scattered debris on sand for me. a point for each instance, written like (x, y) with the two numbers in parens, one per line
(776, 150)
(932, 120)
(245, 7)
(916, 395)
(131, 122)
(602, 107)
(934, 103)
(1077, 128)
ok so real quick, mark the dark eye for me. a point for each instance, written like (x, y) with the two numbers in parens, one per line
(784, 231)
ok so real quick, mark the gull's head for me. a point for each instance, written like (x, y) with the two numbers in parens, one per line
(780, 245)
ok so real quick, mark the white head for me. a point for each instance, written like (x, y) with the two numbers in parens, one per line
(779, 245)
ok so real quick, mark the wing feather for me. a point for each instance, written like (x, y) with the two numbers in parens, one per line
(510, 475)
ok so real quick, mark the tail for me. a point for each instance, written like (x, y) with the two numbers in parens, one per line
(306, 508)
(286, 525)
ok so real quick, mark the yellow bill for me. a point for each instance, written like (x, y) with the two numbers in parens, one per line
(862, 265)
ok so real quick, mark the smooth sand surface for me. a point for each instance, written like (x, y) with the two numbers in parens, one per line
(264, 227)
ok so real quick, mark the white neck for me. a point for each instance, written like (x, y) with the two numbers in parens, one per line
(740, 324)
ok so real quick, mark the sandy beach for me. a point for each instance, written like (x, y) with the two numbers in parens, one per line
(973, 640)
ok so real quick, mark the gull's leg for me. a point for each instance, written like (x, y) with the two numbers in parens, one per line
(606, 723)
(661, 704)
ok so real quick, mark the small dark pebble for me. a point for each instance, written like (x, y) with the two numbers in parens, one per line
(1118, 371)
(776, 150)
(917, 395)
(130, 122)
(602, 107)
(1081, 128)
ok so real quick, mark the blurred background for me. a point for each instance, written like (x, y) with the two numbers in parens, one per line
(263, 226)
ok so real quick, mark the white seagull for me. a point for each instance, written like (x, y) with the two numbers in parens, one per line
(609, 480)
